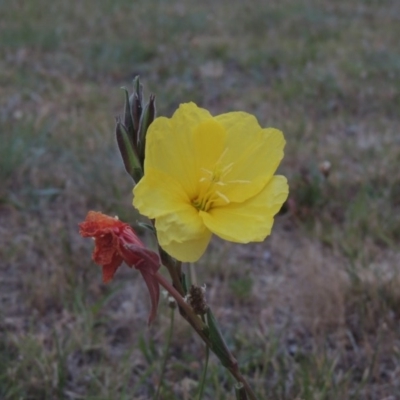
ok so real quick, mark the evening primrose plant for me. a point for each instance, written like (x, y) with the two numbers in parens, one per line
(195, 175)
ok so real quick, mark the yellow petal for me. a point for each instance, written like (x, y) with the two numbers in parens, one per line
(189, 250)
(238, 121)
(179, 226)
(255, 154)
(209, 139)
(170, 147)
(252, 220)
(158, 194)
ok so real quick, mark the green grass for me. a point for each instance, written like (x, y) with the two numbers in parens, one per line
(313, 313)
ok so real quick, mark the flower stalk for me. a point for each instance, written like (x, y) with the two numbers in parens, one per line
(215, 341)
(174, 270)
(240, 392)
(190, 315)
(204, 374)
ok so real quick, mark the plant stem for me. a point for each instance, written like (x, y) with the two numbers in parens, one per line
(200, 327)
(192, 317)
(240, 392)
(166, 351)
(203, 378)
(173, 270)
(234, 370)
(192, 273)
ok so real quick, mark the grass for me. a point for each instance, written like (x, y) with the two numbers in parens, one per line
(312, 313)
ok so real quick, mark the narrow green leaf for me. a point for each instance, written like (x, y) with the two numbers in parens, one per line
(218, 345)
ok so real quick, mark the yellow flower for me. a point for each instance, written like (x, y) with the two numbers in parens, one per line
(205, 174)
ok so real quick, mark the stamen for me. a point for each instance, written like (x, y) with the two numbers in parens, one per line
(227, 168)
(222, 156)
(223, 197)
(239, 181)
(211, 179)
(207, 171)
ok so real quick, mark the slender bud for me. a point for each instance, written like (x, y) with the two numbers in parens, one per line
(146, 119)
(128, 120)
(138, 88)
(136, 104)
(128, 153)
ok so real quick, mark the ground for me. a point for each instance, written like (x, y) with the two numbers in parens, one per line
(311, 313)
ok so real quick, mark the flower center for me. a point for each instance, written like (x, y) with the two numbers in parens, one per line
(212, 184)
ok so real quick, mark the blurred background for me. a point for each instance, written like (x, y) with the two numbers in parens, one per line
(312, 313)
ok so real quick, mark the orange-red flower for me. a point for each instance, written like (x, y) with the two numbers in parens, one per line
(115, 242)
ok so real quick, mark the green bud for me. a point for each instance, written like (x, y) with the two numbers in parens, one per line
(128, 120)
(138, 88)
(147, 118)
(136, 103)
(128, 153)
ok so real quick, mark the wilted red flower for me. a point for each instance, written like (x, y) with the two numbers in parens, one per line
(115, 242)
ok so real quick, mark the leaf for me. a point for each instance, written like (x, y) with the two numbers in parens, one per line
(218, 345)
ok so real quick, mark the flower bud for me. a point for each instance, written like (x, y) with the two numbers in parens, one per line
(136, 104)
(128, 121)
(128, 152)
(146, 119)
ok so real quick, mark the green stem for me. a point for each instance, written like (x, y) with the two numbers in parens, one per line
(166, 351)
(173, 266)
(240, 392)
(203, 377)
(192, 273)
(234, 370)
(174, 270)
